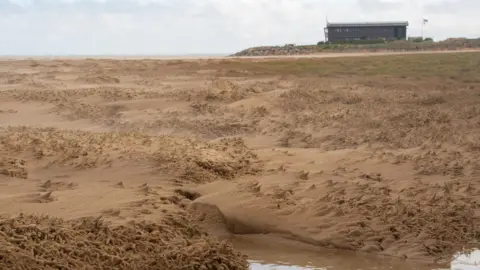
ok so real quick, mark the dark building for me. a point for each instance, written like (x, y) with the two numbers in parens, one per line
(365, 31)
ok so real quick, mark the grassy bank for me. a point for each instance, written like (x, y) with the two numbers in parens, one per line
(449, 44)
(455, 66)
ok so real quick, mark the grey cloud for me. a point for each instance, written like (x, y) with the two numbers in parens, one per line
(7, 7)
(379, 5)
(92, 6)
(453, 6)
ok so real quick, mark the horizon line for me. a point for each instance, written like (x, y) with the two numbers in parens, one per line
(112, 54)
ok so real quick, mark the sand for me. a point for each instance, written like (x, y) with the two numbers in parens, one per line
(155, 164)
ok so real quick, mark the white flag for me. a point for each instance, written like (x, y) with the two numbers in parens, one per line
(425, 21)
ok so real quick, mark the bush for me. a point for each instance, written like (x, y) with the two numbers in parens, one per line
(415, 39)
(373, 41)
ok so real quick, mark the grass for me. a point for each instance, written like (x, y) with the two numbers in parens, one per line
(454, 65)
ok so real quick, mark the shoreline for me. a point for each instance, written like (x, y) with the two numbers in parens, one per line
(228, 57)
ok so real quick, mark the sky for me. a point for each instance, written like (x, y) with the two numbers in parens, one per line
(179, 27)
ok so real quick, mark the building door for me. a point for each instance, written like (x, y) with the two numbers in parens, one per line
(396, 33)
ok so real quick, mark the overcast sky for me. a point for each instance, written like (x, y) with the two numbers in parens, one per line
(68, 27)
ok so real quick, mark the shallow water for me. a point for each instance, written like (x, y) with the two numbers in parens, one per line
(466, 262)
(272, 253)
(472, 263)
(461, 263)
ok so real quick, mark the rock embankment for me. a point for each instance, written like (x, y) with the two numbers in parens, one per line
(278, 50)
(291, 49)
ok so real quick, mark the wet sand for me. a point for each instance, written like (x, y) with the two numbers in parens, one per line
(359, 155)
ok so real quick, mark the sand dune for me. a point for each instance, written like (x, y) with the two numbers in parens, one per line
(134, 161)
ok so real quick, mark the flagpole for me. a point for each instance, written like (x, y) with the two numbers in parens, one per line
(326, 28)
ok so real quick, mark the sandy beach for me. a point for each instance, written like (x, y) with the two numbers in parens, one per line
(156, 163)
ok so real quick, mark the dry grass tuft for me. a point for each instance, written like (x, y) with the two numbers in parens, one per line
(13, 167)
(190, 159)
(28, 242)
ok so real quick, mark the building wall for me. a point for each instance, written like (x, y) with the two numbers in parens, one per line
(367, 33)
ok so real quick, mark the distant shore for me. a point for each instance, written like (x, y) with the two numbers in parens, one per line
(293, 56)
(119, 57)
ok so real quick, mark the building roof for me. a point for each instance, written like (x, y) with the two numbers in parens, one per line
(367, 24)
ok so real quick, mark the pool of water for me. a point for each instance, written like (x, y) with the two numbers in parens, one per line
(270, 253)
(466, 262)
(463, 263)
(258, 265)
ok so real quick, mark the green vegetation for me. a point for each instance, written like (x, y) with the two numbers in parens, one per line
(458, 66)
(413, 44)
(374, 41)
(420, 39)
(359, 42)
